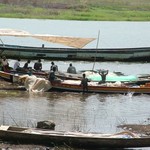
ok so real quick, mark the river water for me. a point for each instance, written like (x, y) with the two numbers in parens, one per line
(76, 111)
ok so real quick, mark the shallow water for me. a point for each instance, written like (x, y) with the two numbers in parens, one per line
(74, 111)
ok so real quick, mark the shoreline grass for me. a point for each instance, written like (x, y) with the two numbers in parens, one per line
(108, 10)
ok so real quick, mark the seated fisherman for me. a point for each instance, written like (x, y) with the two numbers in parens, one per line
(53, 66)
(52, 76)
(26, 67)
(17, 65)
(5, 64)
(38, 65)
(71, 69)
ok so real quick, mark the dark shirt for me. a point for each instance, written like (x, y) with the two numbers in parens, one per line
(51, 76)
(84, 83)
(54, 67)
(25, 66)
(71, 69)
(38, 66)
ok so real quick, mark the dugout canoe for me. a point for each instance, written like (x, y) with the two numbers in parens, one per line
(88, 54)
(72, 139)
(95, 87)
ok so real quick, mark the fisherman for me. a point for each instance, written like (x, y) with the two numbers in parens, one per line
(103, 74)
(84, 83)
(71, 69)
(27, 68)
(53, 66)
(17, 65)
(38, 65)
(52, 76)
(5, 64)
(26, 64)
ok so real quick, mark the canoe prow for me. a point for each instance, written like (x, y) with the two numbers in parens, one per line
(5, 128)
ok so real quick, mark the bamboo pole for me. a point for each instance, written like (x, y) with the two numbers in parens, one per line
(96, 50)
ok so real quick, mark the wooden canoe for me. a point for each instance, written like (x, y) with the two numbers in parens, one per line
(90, 54)
(13, 76)
(72, 139)
(90, 74)
(95, 87)
(112, 77)
(10, 77)
(143, 86)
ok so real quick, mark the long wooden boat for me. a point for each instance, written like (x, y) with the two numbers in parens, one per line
(95, 87)
(13, 76)
(76, 52)
(112, 78)
(110, 54)
(70, 82)
(10, 77)
(72, 139)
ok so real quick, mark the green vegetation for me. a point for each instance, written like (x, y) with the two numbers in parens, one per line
(100, 10)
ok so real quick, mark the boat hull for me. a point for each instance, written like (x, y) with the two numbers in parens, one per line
(10, 77)
(93, 87)
(97, 88)
(13, 76)
(73, 139)
(114, 54)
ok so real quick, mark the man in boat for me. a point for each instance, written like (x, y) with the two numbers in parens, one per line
(26, 65)
(53, 66)
(52, 76)
(5, 64)
(84, 83)
(103, 74)
(71, 69)
(17, 65)
(27, 68)
(38, 65)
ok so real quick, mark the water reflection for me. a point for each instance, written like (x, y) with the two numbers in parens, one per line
(73, 111)
(84, 97)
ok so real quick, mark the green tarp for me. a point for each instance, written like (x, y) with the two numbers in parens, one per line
(113, 78)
